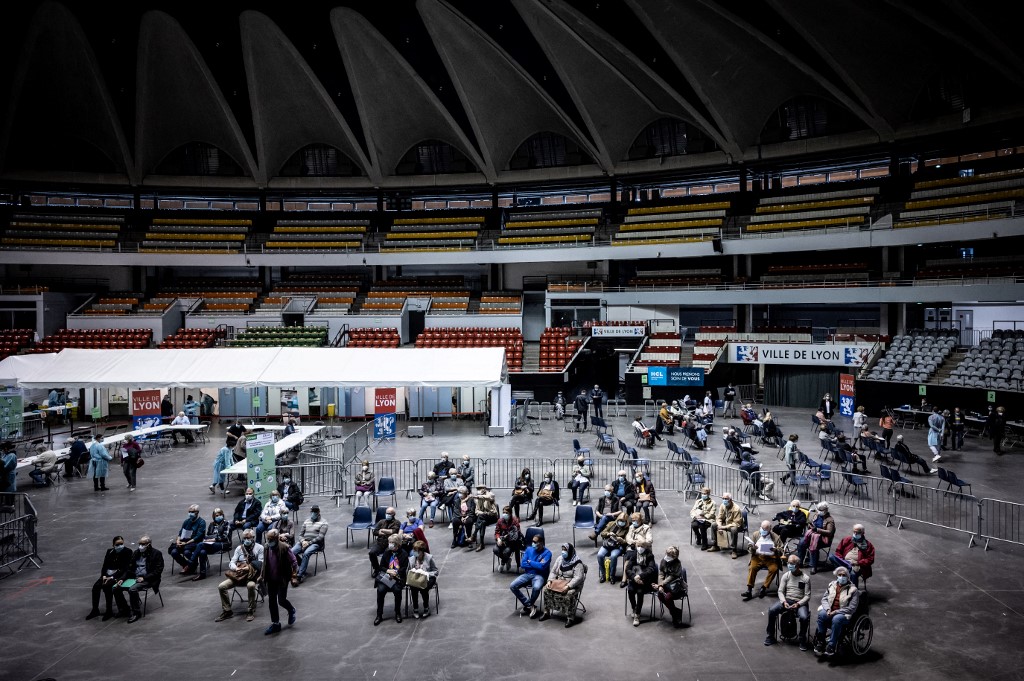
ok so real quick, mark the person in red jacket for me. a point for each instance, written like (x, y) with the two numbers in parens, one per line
(855, 553)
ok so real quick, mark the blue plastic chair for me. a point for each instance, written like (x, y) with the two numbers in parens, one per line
(952, 479)
(584, 520)
(361, 520)
(854, 481)
(579, 450)
(385, 488)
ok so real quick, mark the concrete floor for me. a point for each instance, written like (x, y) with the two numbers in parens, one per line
(941, 610)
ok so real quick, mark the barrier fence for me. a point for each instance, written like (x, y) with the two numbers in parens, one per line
(321, 470)
(1001, 521)
(19, 542)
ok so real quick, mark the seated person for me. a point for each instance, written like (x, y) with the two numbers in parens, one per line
(508, 538)
(310, 539)
(858, 458)
(820, 530)
(536, 564)
(671, 584)
(645, 498)
(182, 420)
(547, 495)
(290, 492)
(289, 427)
(561, 593)
(391, 579)
(701, 517)
(116, 566)
(431, 492)
(678, 415)
(613, 543)
(522, 493)
(45, 463)
(637, 533)
(838, 605)
(270, 515)
(607, 508)
(665, 422)
(762, 486)
(365, 485)
(765, 550)
(581, 475)
(147, 565)
(794, 595)
(729, 519)
(450, 486)
(855, 553)
(625, 491)
(646, 434)
(486, 514)
(638, 576)
(421, 561)
(78, 454)
(739, 440)
(463, 518)
(411, 523)
(216, 540)
(285, 527)
(791, 523)
(442, 467)
(247, 511)
(385, 527)
(192, 532)
(911, 458)
(695, 431)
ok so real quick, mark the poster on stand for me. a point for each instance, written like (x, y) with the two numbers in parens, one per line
(145, 409)
(385, 406)
(847, 395)
(260, 465)
(12, 408)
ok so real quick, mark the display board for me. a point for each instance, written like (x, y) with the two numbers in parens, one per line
(12, 408)
(260, 465)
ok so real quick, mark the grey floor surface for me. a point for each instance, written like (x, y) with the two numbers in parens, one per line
(941, 609)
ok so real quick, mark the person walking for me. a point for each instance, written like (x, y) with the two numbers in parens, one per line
(279, 565)
(99, 462)
(131, 459)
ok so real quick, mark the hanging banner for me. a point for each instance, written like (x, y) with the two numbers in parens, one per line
(260, 464)
(385, 405)
(798, 353)
(846, 394)
(145, 409)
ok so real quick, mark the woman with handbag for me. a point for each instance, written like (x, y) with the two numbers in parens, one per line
(508, 538)
(391, 577)
(131, 460)
(547, 495)
(420, 578)
(639, 576)
(672, 584)
(562, 591)
(522, 493)
(613, 543)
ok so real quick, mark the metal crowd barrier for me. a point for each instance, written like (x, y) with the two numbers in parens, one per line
(19, 542)
(1001, 521)
(932, 506)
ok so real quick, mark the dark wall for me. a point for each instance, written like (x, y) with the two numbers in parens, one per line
(877, 394)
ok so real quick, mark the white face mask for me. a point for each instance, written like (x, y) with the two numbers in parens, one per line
(641, 550)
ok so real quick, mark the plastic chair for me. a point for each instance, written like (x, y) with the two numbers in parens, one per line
(385, 488)
(584, 520)
(854, 481)
(952, 479)
(577, 450)
(362, 519)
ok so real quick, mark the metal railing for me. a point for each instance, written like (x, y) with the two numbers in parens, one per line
(1001, 521)
(19, 541)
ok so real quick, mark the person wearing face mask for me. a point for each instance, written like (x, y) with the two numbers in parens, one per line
(278, 567)
(508, 538)
(131, 454)
(791, 457)
(192, 532)
(291, 492)
(645, 499)
(820, 531)
(391, 579)
(638, 576)
(613, 543)
(643, 433)
(99, 462)
(536, 564)
(243, 570)
(729, 520)
(791, 523)
(855, 553)
(442, 467)
(794, 595)
(221, 461)
(285, 527)
(637, 533)
(465, 469)
(117, 563)
(701, 516)
(270, 515)
(765, 550)
(486, 515)
(451, 492)
(247, 511)
(547, 495)
(463, 518)
(311, 538)
(216, 540)
(382, 531)
(411, 522)
(625, 491)
(422, 570)
(581, 476)
(431, 492)
(671, 584)
(365, 485)
(565, 581)
(147, 564)
(607, 508)
(838, 605)
(522, 493)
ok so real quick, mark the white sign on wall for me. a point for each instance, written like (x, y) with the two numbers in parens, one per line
(609, 331)
(798, 353)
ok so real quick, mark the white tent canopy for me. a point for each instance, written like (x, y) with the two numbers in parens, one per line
(251, 367)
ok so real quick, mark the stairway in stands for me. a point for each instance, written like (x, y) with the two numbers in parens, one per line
(531, 356)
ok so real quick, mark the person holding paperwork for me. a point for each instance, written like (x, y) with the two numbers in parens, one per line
(765, 549)
(147, 565)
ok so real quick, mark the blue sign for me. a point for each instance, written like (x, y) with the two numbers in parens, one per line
(675, 376)
(845, 405)
(384, 427)
(140, 422)
(657, 376)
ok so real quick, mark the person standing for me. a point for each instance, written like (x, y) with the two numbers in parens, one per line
(860, 420)
(206, 403)
(9, 475)
(827, 406)
(99, 461)
(997, 429)
(597, 399)
(222, 461)
(166, 409)
(191, 408)
(582, 406)
(131, 454)
(279, 565)
(958, 426)
(886, 423)
(936, 429)
(729, 401)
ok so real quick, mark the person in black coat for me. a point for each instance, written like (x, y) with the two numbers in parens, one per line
(597, 399)
(997, 429)
(291, 492)
(147, 564)
(166, 409)
(391, 578)
(247, 512)
(78, 454)
(549, 484)
(827, 406)
(639, 576)
(116, 564)
(582, 405)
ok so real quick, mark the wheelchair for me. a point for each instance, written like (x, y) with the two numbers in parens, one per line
(856, 640)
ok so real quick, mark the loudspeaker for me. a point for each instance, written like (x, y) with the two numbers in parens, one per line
(716, 244)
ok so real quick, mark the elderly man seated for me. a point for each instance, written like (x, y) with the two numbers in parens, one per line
(912, 459)
(794, 595)
(45, 463)
(182, 420)
(791, 523)
(765, 549)
(311, 539)
(855, 553)
(665, 422)
(838, 605)
(730, 520)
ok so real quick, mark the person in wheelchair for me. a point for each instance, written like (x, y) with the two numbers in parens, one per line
(838, 606)
(855, 553)
(794, 595)
(672, 584)
(791, 523)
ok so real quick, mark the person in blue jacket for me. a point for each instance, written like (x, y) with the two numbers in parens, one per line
(223, 460)
(536, 564)
(191, 409)
(8, 475)
(99, 458)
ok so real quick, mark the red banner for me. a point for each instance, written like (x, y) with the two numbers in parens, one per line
(145, 402)
(385, 401)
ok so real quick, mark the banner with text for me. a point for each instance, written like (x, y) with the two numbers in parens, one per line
(798, 353)
(385, 405)
(847, 394)
(260, 465)
(675, 376)
(145, 409)
(638, 331)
